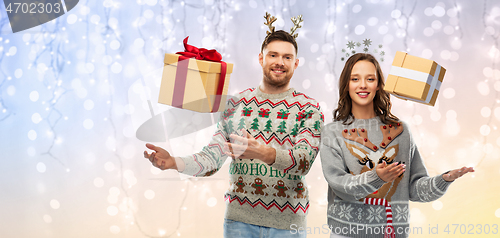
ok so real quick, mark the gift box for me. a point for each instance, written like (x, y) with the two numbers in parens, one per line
(194, 84)
(414, 78)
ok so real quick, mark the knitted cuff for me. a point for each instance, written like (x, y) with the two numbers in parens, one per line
(190, 168)
(283, 160)
(374, 180)
(180, 164)
(440, 183)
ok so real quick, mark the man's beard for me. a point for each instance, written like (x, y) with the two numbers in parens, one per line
(276, 83)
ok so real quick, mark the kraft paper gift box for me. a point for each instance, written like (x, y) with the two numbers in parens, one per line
(193, 84)
(414, 78)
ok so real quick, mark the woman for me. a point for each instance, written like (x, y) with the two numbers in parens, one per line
(370, 161)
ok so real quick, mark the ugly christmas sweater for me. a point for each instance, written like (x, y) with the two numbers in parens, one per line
(266, 195)
(360, 204)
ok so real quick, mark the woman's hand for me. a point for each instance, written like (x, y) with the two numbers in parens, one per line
(456, 173)
(389, 172)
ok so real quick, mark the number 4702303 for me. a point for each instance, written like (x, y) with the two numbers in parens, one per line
(475, 229)
(33, 8)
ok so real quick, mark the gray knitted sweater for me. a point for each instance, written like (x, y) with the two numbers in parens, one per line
(260, 194)
(349, 154)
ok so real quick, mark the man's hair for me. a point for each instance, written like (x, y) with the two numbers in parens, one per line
(279, 35)
(381, 101)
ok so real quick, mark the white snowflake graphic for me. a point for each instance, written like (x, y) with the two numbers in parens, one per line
(345, 211)
(423, 191)
(374, 213)
(401, 213)
(426, 197)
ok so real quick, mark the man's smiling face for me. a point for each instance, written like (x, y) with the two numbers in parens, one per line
(278, 61)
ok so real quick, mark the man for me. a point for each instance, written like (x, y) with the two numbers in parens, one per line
(272, 133)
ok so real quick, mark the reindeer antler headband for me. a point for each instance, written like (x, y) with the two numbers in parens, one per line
(296, 24)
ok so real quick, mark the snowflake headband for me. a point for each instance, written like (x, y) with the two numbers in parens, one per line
(354, 47)
(271, 19)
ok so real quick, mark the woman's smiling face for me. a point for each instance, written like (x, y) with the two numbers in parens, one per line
(363, 84)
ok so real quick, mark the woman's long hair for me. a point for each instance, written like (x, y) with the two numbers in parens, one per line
(381, 101)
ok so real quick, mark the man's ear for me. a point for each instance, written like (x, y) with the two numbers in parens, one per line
(296, 63)
(261, 59)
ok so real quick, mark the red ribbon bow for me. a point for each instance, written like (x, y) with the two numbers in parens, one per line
(180, 80)
(199, 53)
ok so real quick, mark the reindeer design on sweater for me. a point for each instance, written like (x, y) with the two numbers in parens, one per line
(378, 154)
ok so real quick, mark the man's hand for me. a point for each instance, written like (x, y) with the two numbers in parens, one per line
(160, 158)
(249, 148)
(457, 173)
(389, 172)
